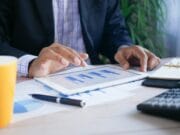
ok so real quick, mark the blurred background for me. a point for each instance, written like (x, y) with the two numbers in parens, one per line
(154, 24)
(172, 27)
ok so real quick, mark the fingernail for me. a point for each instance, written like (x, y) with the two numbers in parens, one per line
(86, 56)
(64, 62)
(77, 61)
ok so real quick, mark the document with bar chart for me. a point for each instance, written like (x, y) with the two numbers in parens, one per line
(90, 78)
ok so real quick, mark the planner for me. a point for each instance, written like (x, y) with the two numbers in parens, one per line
(169, 71)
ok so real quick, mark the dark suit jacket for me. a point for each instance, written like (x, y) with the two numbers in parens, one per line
(26, 26)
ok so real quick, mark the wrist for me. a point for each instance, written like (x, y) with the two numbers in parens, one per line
(30, 63)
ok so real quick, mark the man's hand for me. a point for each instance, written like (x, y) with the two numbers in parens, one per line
(54, 58)
(137, 56)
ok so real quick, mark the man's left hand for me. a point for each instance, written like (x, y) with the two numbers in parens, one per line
(137, 56)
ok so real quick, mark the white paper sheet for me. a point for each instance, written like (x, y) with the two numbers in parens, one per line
(26, 107)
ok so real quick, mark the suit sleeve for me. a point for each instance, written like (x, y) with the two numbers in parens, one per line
(115, 32)
(6, 21)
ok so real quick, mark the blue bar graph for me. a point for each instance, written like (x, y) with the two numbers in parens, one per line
(83, 76)
(73, 79)
(93, 76)
(109, 72)
(97, 74)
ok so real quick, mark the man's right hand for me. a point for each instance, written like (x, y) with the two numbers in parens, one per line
(54, 58)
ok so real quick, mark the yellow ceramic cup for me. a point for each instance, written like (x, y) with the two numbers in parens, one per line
(8, 69)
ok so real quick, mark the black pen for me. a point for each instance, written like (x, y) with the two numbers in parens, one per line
(62, 100)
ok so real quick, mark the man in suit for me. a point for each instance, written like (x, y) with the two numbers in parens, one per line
(49, 35)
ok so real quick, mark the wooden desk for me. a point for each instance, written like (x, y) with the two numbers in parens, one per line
(115, 118)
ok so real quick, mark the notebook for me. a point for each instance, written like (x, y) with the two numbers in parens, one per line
(169, 71)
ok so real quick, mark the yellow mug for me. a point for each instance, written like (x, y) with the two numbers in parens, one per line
(8, 69)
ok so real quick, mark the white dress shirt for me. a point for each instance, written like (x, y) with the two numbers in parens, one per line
(67, 30)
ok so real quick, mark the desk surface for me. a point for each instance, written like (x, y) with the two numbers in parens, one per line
(115, 118)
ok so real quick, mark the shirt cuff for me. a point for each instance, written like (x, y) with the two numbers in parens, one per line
(123, 46)
(23, 64)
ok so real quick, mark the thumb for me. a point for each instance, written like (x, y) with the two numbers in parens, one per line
(120, 58)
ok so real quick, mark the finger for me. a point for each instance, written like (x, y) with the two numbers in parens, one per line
(139, 53)
(143, 64)
(51, 55)
(153, 61)
(84, 56)
(120, 58)
(81, 56)
(72, 57)
(55, 66)
(78, 61)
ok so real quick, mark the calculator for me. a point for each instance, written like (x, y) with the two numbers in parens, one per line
(166, 105)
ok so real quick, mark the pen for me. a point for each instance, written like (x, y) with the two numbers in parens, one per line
(61, 100)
